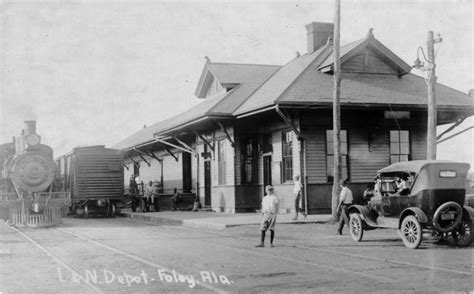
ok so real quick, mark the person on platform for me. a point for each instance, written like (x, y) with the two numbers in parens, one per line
(149, 197)
(297, 196)
(175, 199)
(270, 207)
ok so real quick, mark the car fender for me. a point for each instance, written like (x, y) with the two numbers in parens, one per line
(468, 211)
(364, 212)
(417, 212)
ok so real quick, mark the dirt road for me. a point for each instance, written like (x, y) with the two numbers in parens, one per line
(119, 255)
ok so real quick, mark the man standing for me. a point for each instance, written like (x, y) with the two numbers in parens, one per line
(345, 200)
(297, 192)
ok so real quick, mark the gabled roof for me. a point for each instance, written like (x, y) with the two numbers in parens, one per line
(275, 86)
(301, 82)
(314, 87)
(247, 77)
(351, 49)
(231, 74)
(305, 80)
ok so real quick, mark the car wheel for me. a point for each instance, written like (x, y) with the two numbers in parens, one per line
(355, 227)
(462, 235)
(411, 232)
(112, 210)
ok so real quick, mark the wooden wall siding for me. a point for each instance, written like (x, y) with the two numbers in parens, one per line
(150, 173)
(364, 162)
(367, 62)
(248, 198)
(169, 185)
(223, 199)
(127, 173)
(418, 142)
(316, 155)
(364, 159)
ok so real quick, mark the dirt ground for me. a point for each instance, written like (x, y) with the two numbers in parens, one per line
(123, 256)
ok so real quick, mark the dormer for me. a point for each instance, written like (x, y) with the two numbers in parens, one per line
(367, 56)
(212, 80)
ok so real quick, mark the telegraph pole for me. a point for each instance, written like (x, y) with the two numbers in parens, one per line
(432, 108)
(336, 113)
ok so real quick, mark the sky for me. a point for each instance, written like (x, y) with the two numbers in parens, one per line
(95, 72)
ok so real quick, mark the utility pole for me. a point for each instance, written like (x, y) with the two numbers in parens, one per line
(336, 113)
(431, 81)
(432, 109)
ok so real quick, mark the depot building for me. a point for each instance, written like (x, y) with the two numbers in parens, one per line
(260, 125)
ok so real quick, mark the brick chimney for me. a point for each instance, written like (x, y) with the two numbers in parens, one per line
(318, 34)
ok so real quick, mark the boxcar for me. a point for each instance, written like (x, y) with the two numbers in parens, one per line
(94, 177)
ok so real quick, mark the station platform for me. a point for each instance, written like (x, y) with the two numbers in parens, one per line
(217, 220)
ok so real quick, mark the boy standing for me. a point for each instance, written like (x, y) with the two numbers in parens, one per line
(269, 213)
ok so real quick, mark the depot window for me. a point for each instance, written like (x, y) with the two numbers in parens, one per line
(399, 145)
(330, 155)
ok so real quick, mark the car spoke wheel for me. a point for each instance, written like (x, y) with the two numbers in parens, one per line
(112, 210)
(355, 227)
(411, 232)
(462, 235)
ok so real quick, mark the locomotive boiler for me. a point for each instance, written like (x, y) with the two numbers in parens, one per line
(28, 169)
(31, 168)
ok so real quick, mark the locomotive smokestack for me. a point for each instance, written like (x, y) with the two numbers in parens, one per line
(30, 127)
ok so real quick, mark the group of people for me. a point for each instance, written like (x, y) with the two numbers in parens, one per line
(150, 191)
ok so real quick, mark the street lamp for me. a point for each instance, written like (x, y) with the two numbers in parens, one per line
(431, 81)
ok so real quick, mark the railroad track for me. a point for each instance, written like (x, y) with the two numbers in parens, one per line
(85, 276)
(224, 240)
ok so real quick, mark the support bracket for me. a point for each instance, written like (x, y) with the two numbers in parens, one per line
(189, 148)
(204, 140)
(171, 153)
(457, 123)
(154, 156)
(226, 133)
(290, 123)
(141, 153)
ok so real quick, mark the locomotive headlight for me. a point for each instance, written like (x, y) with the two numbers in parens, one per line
(33, 139)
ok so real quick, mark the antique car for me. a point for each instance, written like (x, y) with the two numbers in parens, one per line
(432, 201)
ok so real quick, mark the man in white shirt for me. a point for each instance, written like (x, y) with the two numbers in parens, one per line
(345, 200)
(270, 207)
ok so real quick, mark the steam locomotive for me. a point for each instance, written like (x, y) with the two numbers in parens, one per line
(28, 163)
(27, 170)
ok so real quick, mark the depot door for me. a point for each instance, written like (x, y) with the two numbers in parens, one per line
(207, 183)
